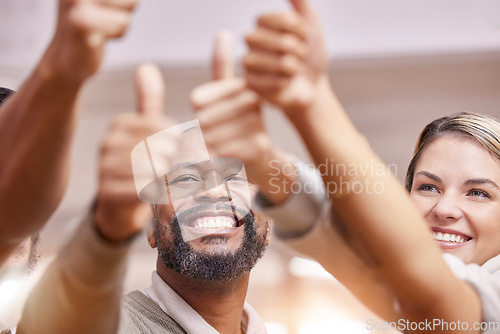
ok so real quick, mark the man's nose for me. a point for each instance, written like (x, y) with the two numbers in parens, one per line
(213, 190)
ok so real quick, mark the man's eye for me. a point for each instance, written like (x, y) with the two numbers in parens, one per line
(427, 187)
(236, 177)
(478, 193)
(185, 179)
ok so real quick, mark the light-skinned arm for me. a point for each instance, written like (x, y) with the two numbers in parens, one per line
(386, 225)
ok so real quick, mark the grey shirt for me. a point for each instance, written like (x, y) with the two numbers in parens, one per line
(179, 310)
(80, 292)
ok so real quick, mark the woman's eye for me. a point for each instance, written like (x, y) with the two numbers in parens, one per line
(427, 187)
(478, 193)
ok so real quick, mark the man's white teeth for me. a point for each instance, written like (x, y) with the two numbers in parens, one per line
(448, 237)
(215, 222)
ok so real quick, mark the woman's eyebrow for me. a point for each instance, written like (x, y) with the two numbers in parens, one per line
(429, 175)
(480, 181)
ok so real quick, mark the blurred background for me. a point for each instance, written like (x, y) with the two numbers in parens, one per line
(395, 65)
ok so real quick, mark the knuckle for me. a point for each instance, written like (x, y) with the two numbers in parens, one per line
(104, 151)
(287, 43)
(79, 14)
(252, 99)
(131, 4)
(194, 99)
(122, 119)
(251, 122)
(247, 60)
(122, 26)
(107, 146)
(112, 142)
(288, 64)
(252, 60)
(107, 168)
(290, 19)
(251, 82)
(250, 39)
(263, 19)
(262, 141)
(116, 125)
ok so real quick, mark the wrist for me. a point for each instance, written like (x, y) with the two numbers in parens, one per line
(103, 225)
(121, 222)
(51, 70)
(277, 177)
(322, 101)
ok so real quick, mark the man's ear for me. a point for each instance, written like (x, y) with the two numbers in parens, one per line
(266, 223)
(269, 223)
(150, 234)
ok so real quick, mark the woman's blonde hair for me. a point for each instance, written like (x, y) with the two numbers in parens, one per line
(485, 129)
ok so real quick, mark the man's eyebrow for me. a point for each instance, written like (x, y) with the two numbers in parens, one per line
(182, 165)
(429, 175)
(480, 181)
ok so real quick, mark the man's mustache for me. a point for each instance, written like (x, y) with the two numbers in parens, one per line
(218, 206)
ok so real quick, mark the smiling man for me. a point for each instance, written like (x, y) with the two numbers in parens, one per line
(208, 240)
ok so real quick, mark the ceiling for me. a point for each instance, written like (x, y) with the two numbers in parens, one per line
(174, 32)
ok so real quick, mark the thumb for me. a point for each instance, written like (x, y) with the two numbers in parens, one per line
(222, 57)
(149, 90)
(302, 7)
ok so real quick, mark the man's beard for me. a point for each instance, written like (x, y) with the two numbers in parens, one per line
(211, 267)
(20, 264)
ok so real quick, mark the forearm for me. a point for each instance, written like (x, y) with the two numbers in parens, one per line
(305, 222)
(81, 290)
(329, 246)
(36, 128)
(381, 217)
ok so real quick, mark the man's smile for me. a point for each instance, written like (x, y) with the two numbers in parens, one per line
(210, 222)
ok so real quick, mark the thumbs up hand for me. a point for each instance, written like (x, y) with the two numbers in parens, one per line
(231, 120)
(287, 60)
(83, 28)
(119, 214)
(229, 113)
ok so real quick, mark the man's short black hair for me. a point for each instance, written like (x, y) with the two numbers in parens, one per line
(5, 93)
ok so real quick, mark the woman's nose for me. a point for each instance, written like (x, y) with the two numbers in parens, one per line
(447, 208)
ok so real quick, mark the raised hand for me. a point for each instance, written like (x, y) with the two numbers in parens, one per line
(83, 27)
(287, 60)
(231, 119)
(229, 113)
(119, 213)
